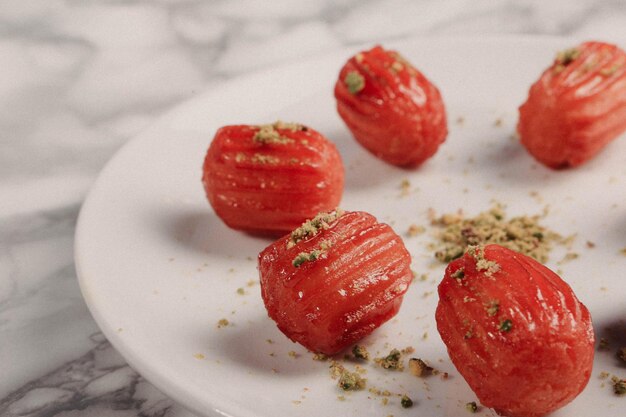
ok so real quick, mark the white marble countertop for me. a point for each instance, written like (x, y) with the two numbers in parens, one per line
(81, 78)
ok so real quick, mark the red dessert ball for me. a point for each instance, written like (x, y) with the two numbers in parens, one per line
(515, 331)
(334, 280)
(577, 106)
(390, 107)
(271, 178)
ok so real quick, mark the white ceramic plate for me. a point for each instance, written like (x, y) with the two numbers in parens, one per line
(159, 270)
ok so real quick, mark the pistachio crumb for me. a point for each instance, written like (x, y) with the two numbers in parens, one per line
(351, 381)
(262, 159)
(459, 274)
(419, 368)
(354, 82)
(392, 361)
(472, 407)
(505, 325)
(619, 385)
(482, 263)
(360, 352)
(241, 291)
(269, 133)
(492, 308)
(406, 402)
(303, 257)
(522, 234)
(567, 56)
(311, 227)
(222, 323)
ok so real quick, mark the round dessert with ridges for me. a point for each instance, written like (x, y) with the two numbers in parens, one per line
(334, 280)
(577, 106)
(390, 107)
(271, 178)
(515, 331)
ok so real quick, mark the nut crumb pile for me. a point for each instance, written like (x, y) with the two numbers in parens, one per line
(522, 234)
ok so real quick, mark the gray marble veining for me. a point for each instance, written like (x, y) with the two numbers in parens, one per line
(81, 78)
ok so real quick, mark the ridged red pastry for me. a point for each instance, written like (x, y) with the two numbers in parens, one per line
(577, 106)
(515, 331)
(271, 178)
(334, 280)
(390, 107)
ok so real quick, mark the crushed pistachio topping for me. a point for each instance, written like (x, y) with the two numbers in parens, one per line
(406, 402)
(303, 257)
(360, 352)
(321, 357)
(522, 234)
(505, 325)
(564, 58)
(348, 381)
(222, 323)
(621, 354)
(392, 361)
(471, 407)
(419, 368)
(482, 263)
(259, 158)
(269, 133)
(314, 255)
(311, 227)
(619, 385)
(294, 127)
(459, 274)
(354, 82)
(336, 369)
(492, 308)
(241, 291)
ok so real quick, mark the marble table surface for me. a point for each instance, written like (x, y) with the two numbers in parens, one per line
(80, 78)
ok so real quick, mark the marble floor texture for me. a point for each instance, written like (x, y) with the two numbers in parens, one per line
(80, 78)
